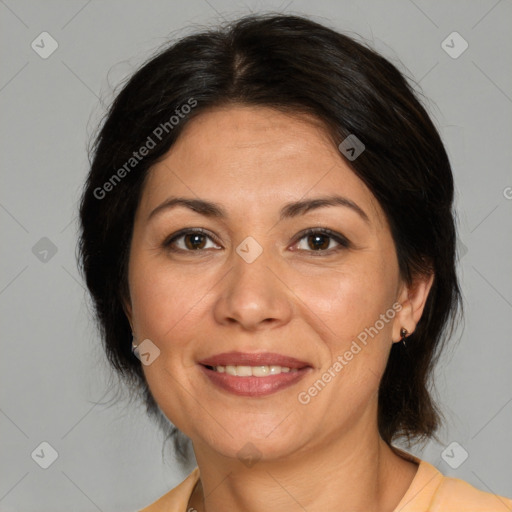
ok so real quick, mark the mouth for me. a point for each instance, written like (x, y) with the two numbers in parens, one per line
(247, 374)
(252, 371)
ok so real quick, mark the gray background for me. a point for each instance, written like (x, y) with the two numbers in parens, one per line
(54, 380)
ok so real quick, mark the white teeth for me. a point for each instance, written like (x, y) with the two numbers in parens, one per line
(243, 371)
(260, 371)
(254, 371)
(231, 370)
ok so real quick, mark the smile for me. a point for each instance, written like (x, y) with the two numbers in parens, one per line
(253, 371)
(253, 374)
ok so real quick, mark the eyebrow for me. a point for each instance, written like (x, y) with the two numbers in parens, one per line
(288, 211)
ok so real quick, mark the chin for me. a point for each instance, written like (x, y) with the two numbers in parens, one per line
(249, 443)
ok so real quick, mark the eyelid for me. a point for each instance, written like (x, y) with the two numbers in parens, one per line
(185, 231)
(324, 231)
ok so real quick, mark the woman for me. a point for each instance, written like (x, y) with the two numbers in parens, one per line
(269, 240)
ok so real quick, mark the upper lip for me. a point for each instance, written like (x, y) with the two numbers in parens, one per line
(253, 359)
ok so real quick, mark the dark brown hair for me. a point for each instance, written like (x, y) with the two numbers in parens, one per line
(292, 64)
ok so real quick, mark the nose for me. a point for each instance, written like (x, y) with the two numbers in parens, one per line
(253, 295)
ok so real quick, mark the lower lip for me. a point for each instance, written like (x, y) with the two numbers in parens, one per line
(254, 386)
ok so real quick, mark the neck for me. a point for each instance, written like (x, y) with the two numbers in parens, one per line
(355, 472)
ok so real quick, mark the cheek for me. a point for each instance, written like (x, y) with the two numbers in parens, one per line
(349, 300)
(166, 305)
(166, 300)
(354, 317)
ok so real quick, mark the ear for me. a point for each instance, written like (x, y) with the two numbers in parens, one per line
(412, 299)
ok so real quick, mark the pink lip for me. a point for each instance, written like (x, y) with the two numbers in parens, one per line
(253, 386)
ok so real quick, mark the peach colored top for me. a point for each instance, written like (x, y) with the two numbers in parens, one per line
(430, 491)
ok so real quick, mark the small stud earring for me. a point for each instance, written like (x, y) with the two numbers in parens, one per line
(403, 334)
(134, 344)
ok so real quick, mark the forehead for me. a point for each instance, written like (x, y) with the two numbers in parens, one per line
(255, 158)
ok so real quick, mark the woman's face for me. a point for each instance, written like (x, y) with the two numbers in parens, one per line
(252, 282)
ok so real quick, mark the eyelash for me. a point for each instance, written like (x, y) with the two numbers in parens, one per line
(337, 237)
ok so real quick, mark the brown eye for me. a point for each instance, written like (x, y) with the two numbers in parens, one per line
(319, 241)
(194, 241)
(188, 241)
(322, 241)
